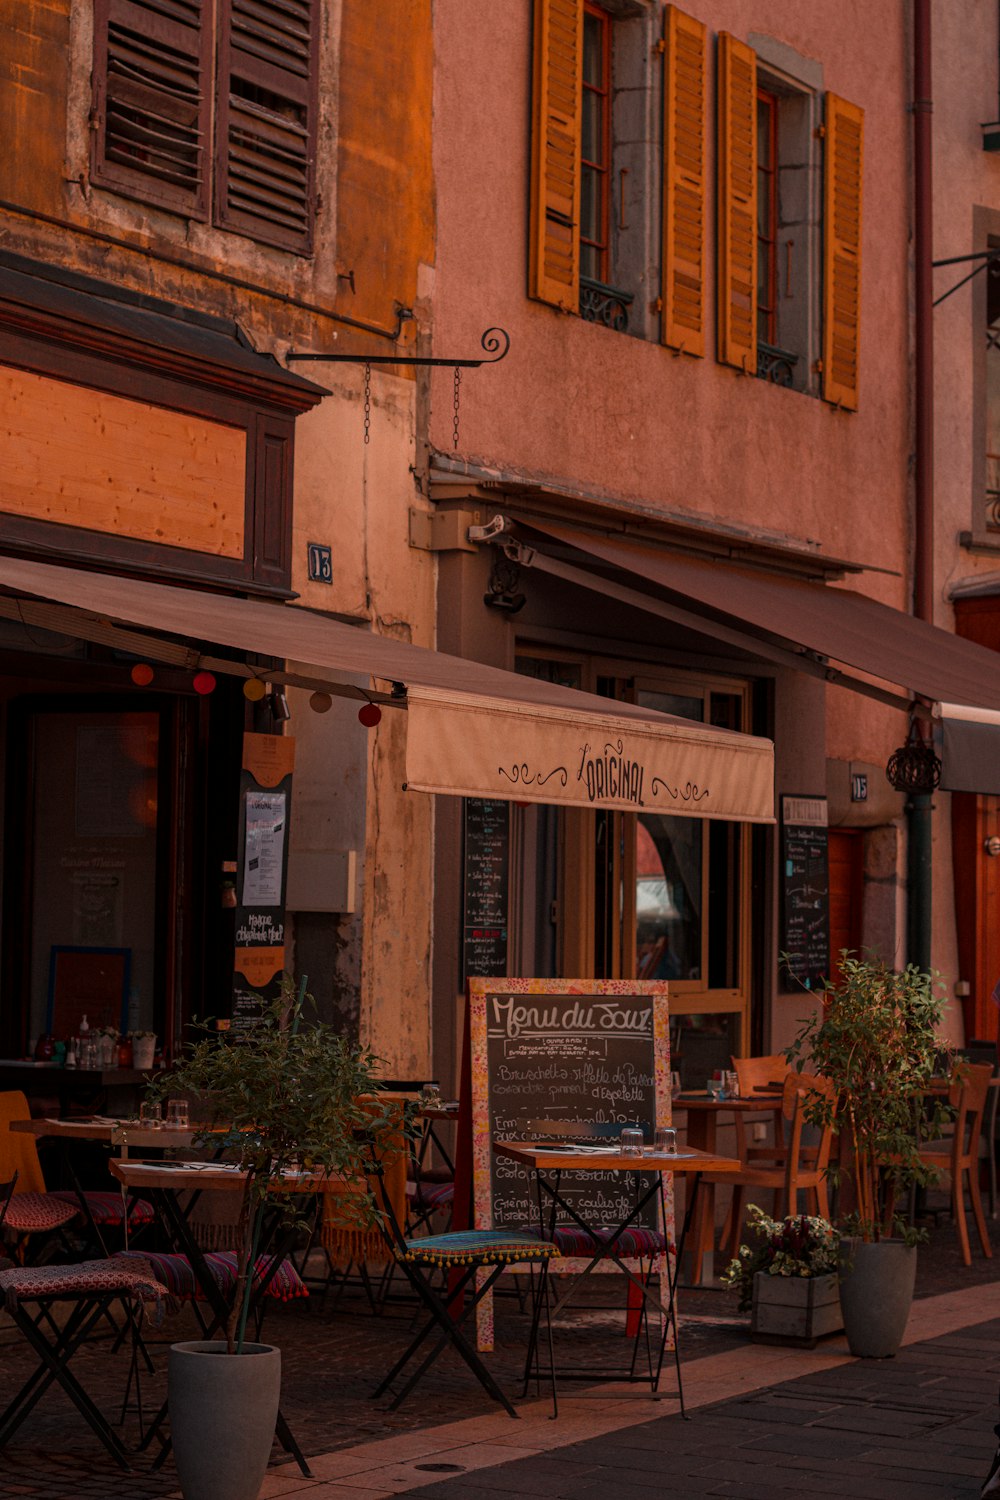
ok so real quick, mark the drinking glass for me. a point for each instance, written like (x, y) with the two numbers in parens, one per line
(666, 1140)
(716, 1085)
(151, 1115)
(631, 1141)
(732, 1084)
(177, 1114)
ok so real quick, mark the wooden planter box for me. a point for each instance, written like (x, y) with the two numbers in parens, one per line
(795, 1309)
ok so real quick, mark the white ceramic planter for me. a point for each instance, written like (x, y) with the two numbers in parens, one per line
(795, 1309)
(223, 1410)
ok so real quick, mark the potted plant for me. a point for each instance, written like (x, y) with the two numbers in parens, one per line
(873, 1036)
(787, 1278)
(282, 1097)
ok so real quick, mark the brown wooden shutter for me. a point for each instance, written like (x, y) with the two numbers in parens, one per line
(737, 213)
(844, 150)
(684, 99)
(151, 101)
(554, 260)
(266, 123)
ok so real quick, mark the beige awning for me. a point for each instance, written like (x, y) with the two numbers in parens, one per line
(473, 730)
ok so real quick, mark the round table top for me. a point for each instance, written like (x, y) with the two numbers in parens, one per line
(701, 1100)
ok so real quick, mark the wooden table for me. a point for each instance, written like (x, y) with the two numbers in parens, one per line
(702, 1132)
(125, 1134)
(548, 1161)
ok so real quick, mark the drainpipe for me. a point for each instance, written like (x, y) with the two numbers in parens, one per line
(919, 805)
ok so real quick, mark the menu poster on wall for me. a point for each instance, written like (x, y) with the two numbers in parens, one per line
(262, 871)
(805, 888)
(485, 888)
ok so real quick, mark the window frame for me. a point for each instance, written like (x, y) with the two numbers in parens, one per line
(602, 168)
(767, 242)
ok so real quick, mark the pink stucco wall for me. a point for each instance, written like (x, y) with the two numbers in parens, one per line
(608, 412)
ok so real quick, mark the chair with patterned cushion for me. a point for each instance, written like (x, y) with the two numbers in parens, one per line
(30, 1294)
(34, 1210)
(274, 1279)
(461, 1255)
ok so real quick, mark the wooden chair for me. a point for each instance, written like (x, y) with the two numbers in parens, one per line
(959, 1155)
(802, 1168)
(755, 1075)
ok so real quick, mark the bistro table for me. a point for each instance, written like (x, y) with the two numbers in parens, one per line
(702, 1133)
(547, 1162)
(162, 1182)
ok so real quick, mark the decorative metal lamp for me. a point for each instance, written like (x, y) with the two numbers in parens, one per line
(914, 768)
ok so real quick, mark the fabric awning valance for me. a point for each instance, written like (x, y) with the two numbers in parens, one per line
(473, 730)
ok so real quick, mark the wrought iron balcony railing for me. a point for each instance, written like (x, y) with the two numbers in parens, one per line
(604, 304)
(776, 365)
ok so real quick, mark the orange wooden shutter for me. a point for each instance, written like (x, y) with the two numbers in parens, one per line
(554, 269)
(844, 141)
(737, 215)
(684, 86)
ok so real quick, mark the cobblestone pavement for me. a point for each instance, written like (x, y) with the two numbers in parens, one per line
(936, 1403)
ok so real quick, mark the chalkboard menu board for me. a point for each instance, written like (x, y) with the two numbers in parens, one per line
(486, 888)
(575, 1050)
(805, 934)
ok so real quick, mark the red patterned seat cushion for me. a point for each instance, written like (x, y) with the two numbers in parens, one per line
(38, 1213)
(28, 1283)
(633, 1243)
(107, 1208)
(175, 1273)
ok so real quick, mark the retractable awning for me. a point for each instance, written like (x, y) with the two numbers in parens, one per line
(805, 624)
(970, 748)
(472, 730)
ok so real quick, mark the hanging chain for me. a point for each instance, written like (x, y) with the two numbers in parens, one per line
(455, 403)
(368, 403)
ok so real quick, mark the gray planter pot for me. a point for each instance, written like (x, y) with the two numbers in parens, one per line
(876, 1290)
(222, 1414)
(794, 1309)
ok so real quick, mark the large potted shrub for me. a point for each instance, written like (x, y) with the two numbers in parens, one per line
(873, 1035)
(283, 1096)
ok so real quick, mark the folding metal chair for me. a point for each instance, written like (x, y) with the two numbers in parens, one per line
(29, 1295)
(463, 1254)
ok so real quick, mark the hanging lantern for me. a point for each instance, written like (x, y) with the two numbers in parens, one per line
(320, 703)
(370, 715)
(254, 690)
(914, 767)
(142, 674)
(203, 684)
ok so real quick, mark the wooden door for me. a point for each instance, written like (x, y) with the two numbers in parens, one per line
(847, 869)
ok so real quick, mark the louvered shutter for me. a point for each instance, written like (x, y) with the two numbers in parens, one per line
(151, 117)
(844, 150)
(737, 213)
(266, 120)
(684, 98)
(554, 261)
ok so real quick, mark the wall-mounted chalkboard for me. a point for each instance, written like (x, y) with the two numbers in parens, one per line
(805, 887)
(485, 888)
(563, 1050)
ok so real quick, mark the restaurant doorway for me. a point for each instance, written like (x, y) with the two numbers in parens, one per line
(846, 853)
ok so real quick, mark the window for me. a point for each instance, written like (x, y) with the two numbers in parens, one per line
(993, 396)
(208, 108)
(595, 144)
(592, 233)
(789, 256)
(767, 218)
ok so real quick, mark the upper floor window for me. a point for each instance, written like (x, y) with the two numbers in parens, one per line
(209, 108)
(595, 144)
(767, 217)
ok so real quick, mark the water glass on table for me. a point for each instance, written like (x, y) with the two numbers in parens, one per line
(177, 1114)
(717, 1085)
(151, 1115)
(666, 1140)
(631, 1141)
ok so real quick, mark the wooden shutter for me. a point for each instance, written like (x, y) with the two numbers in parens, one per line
(684, 99)
(151, 108)
(554, 260)
(844, 147)
(266, 124)
(737, 214)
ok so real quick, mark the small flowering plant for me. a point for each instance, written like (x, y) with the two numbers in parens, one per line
(796, 1246)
